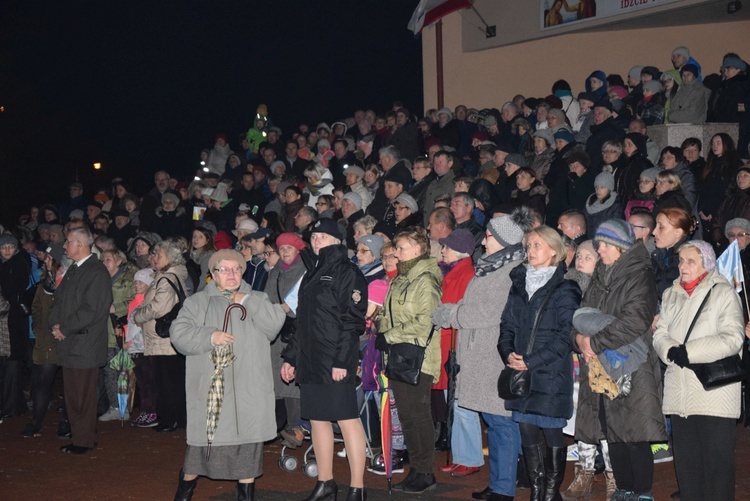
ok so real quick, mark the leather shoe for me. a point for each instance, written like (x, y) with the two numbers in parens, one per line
(482, 494)
(76, 450)
(449, 467)
(167, 427)
(464, 471)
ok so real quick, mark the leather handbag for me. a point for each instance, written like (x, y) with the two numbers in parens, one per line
(513, 383)
(721, 372)
(164, 322)
(405, 359)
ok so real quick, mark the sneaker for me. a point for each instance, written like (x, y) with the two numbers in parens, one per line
(113, 414)
(137, 421)
(149, 421)
(573, 452)
(449, 468)
(662, 453)
(378, 466)
(464, 471)
(293, 437)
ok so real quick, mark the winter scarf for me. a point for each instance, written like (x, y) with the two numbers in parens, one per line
(493, 262)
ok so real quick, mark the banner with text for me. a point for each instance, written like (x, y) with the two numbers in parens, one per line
(556, 13)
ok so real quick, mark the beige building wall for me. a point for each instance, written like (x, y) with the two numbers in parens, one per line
(488, 78)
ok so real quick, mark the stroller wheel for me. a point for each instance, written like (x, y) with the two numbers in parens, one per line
(311, 468)
(288, 463)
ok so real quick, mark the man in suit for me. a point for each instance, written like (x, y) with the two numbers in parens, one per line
(78, 321)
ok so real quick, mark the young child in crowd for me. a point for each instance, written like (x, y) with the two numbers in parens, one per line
(144, 367)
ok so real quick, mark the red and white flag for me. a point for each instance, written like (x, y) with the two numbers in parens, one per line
(430, 11)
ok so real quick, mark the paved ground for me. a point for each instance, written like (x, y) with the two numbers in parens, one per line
(132, 463)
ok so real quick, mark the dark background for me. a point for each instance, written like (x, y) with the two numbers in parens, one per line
(142, 86)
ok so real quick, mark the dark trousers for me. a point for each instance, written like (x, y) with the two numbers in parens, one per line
(704, 457)
(80, 387)
(414, 411)
(12, 401)
(42, 379)
(170, 379)
(633, 466)
(145, 382)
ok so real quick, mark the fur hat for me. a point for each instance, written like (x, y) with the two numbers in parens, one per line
(615, 232)
(170, 196)
(509, 230)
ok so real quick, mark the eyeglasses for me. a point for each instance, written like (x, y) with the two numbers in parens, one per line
(737, 235)
(318, 204)
(228, 271)
(388, 256)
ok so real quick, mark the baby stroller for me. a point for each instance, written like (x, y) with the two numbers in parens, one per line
(288, 462)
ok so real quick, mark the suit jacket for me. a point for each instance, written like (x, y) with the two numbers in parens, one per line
(81, 307)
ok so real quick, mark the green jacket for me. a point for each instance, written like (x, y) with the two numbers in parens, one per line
(406, 312)
(123, 293)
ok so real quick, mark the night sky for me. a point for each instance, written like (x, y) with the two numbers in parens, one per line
(140, 86)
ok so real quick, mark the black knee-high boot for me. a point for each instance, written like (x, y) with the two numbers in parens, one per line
(554, 470)
(245, 492)
(533, 456)
(185, 488)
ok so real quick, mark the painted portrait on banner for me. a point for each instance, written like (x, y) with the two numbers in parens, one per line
(557, 12)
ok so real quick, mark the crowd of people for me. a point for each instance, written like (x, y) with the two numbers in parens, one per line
(550, 236)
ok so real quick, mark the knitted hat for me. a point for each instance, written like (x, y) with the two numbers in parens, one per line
(683, 51)
(227, 255)
(290, 239)
(489, 120)
(76, 214)
(207, 191)
(651, 70)
(376, 291)
(635, 72)
(220, 193)
(651, 173)
(329, 226)
(397, 175)
(460, 240)
(588, 96)
(653, 86)
(516, 159)
(56, 251)
(354, 198)
(604, 103)
(374, 243)
(734, 62)
(407, 201)
(615, 232)
(145, 275)
(605, 180)
(706, 251)
(559, 114)
(354, 169)
(740, 223)
(8, 239)
(324, 144)
(166, 197)
(619, 91)
(546, 134)
(445, 111)
(565, 135)
(509, 230)
(671, 75)
(691, 68)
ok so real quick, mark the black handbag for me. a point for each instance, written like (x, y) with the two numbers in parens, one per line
(721, 372)
(405, 359)
(164, 322)
(512, 383)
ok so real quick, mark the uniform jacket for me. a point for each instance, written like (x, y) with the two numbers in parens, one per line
(627, 291)
(549, 362)
(159, 300)
(406, 313)
(248, 381)
(81, 307)
(330, 317)
(718, 333)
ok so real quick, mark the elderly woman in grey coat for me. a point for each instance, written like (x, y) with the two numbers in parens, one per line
(477, 317)
(247, 416)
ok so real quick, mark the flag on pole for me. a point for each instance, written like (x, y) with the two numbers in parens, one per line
(430, 11)
(729, 265)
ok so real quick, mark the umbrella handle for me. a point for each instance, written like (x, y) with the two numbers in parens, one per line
(229, 309)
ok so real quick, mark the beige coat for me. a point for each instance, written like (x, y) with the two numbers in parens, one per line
(717, 333)
(157, 302)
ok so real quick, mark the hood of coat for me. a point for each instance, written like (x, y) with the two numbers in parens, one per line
(634, 259)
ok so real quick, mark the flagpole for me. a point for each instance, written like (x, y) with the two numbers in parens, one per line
(439, 61)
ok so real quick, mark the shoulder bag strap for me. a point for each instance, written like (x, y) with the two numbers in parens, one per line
(697, 314)
(537, 318)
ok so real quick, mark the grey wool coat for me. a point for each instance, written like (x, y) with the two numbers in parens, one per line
(249, 383)
(477, 318)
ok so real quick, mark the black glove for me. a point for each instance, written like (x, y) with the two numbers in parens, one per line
(380, 342)
(678, 355)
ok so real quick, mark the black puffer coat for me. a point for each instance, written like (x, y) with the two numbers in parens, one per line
(550, 360)
(627, 291)
(330, 317)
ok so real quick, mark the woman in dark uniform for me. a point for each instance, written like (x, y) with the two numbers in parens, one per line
(323, 355)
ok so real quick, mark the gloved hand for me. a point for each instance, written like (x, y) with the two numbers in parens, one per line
(442, 316)
(678, 355)
(380, 342)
